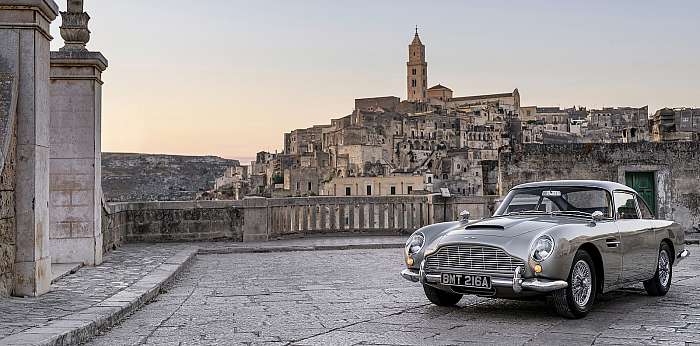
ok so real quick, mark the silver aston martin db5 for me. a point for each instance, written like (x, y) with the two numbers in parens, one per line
(568, 240)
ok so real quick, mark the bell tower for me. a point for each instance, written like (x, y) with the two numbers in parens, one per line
(417, 71)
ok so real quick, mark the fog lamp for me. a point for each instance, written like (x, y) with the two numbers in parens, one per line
(409, 260)
(538, 268)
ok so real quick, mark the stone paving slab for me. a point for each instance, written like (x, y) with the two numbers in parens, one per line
(94, 297)
(83, 302)
(358, 298)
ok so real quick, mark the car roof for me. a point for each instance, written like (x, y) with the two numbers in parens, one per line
(601, 184)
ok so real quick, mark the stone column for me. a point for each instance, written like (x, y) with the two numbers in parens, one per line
(256, 213)
(75, 173)
(24, 51)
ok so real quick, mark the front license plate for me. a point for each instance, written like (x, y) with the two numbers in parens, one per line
(466, 280)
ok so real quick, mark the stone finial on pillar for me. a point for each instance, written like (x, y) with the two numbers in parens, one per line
(74, 27)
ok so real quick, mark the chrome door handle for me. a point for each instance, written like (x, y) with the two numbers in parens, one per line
(612, 242)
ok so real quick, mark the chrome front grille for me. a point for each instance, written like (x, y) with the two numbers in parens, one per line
(471, 258)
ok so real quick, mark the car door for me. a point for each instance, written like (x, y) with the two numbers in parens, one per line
(634, 237)
(653, 227)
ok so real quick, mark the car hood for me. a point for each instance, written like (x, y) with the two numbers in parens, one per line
(508, 232)
(506, 226)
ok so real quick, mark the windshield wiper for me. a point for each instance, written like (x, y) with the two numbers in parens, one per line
(525, 212)
(572, 213)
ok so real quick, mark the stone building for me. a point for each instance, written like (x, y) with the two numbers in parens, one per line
(677, 124)
(302, 181)
(618, 125)
(376, 186)
(302, 141)
(376, 104)
(665, 174)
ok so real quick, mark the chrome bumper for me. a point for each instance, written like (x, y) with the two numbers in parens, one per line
(410, 275)
(517, 283)
(683, 255)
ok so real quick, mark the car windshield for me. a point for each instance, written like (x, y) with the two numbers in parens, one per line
(565, 200)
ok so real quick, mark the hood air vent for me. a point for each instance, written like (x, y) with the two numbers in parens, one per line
(485, 227)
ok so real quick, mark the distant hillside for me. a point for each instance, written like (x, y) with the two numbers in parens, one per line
(149, 177)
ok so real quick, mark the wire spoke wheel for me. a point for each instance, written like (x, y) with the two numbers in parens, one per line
(582, 283)
(661, 282)
(664, 267)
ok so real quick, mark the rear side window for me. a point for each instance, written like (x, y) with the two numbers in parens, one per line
(646, 213)
(626, 206)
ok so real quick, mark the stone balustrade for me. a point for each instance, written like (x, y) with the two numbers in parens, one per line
(259, 219)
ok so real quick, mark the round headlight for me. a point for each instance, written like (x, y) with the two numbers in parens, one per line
(415, 243)
(543, 248)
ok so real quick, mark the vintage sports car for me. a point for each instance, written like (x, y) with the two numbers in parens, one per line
(568, 240)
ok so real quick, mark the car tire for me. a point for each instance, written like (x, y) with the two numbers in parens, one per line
(440, 297)
(576, 300)
(661, 282)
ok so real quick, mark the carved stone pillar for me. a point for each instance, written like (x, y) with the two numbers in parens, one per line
(24, 52)
(75, 173)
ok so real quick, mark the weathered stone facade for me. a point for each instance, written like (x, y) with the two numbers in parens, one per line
(675, 167)
(8, 219)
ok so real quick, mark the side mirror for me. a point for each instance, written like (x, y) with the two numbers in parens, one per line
(464, 216)
(597, 215)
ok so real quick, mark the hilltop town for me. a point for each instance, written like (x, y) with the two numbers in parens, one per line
(435, 139)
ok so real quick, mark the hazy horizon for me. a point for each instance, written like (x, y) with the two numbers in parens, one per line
(228, 78)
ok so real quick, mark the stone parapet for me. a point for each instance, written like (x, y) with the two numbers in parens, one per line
(261, 219)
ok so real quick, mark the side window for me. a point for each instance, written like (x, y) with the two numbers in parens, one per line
(626, 206)
(646, 213)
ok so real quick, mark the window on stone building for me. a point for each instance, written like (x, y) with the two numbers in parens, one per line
(430, 180)
(393, 190)
(369, 190)
(410, 189)
(413, 83)
(309, 186)
(414, 72)
(348, 191)
(297, 186)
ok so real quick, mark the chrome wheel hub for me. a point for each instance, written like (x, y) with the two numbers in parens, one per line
(581, 283)
(664, 268)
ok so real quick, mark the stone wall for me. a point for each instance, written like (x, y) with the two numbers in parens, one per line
(676, 167)
(8, 144)
(171, 222)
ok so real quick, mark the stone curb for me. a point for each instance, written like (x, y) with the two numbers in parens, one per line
(292, 248)
(79, 327)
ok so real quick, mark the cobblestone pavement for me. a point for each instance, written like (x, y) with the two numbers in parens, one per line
(357, 297)
(85, 288)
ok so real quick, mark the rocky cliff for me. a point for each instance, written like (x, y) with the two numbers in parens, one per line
(150, 177)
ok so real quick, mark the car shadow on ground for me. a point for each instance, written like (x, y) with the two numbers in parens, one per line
(625, 299)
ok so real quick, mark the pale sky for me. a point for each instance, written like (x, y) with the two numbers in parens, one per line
(229, 77)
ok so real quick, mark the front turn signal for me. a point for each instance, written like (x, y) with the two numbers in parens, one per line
(538, 268)
(409, 260)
